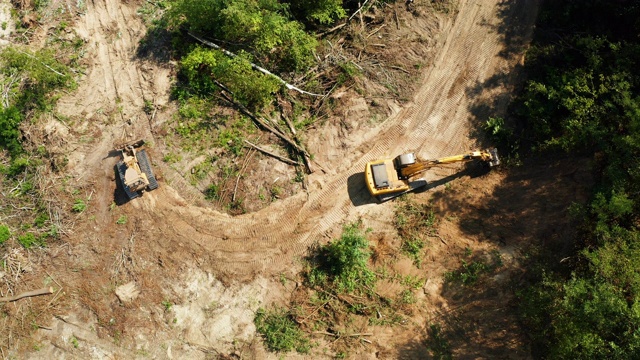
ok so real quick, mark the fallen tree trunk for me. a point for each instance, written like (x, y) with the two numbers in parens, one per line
(283, 159)
(43, 291)
(305, 155)
(254, 66)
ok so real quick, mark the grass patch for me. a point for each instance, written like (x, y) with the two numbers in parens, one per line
(29, 240)
(280, 332)
(414, 223)
(79, 206)
(437, 344)
(5, 234)
(472, 269)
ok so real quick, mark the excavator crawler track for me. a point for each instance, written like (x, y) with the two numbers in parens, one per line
(143, 161)
(413, 186)
(122, 169)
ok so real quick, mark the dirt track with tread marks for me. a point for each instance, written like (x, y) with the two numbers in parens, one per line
(174, 228)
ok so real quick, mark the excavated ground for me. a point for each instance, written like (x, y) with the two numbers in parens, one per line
(196, 276)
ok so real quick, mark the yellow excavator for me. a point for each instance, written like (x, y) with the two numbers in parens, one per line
(134, 170)
(390, 178)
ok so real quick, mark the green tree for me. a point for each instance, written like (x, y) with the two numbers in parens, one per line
(260, 27)
(202, 67)
(321, 12)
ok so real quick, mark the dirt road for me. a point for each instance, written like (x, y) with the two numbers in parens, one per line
(180, 244)
(436, 123)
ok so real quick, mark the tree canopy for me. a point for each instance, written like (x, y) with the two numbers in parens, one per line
(583, 97)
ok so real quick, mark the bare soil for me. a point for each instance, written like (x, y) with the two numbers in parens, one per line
(199, 274)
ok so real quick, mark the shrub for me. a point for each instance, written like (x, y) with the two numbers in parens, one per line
(251, 88)
(344, 262)
(5, 234)
(28, 240)
(280, 332)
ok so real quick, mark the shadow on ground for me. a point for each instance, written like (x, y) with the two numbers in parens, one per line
(495, 93)
(518, 212)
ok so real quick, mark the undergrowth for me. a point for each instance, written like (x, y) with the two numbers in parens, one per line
(414, 223)
(340, 298)
(280, 331)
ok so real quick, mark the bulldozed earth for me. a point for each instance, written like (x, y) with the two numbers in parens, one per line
(172, 275)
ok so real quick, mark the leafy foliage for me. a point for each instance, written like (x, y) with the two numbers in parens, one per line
(203, 67)
(344, 262)
(10, 120)
(29, 240)
(4, 234)
(280, 332)
(30, 79)
(322, 12)
(260, 26)
(583, 96)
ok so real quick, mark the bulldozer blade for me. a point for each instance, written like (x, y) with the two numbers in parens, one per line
(495, 160)
(134, 144)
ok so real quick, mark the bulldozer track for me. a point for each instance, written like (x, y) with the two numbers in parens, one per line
(440, 109)
(145, 166)
(435, 123)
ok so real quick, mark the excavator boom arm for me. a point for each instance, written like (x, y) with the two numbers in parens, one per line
(488, 156)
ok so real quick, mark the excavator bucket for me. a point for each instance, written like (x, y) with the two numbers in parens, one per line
(495, 160)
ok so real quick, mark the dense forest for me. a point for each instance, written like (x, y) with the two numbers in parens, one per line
(582, 98)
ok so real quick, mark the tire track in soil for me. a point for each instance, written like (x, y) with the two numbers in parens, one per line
(434, 124)
(440, 109)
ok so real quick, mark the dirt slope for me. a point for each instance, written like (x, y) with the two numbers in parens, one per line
(218, 269)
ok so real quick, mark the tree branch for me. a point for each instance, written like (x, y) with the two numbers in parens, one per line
(43, 291)
(254, 66)
(283, 159)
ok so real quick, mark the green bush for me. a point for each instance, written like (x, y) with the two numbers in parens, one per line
(10, 120)
(344, 262)
(262, 26)
(321, 12)
(280, 332)
(251, 88)
(5, 234)
(29, 240)
(79, 206)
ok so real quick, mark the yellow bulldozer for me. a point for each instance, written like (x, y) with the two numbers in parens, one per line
(134, 170)
(390, 178)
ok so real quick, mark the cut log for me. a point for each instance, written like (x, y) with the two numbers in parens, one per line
(43, 291)
(283, 159)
